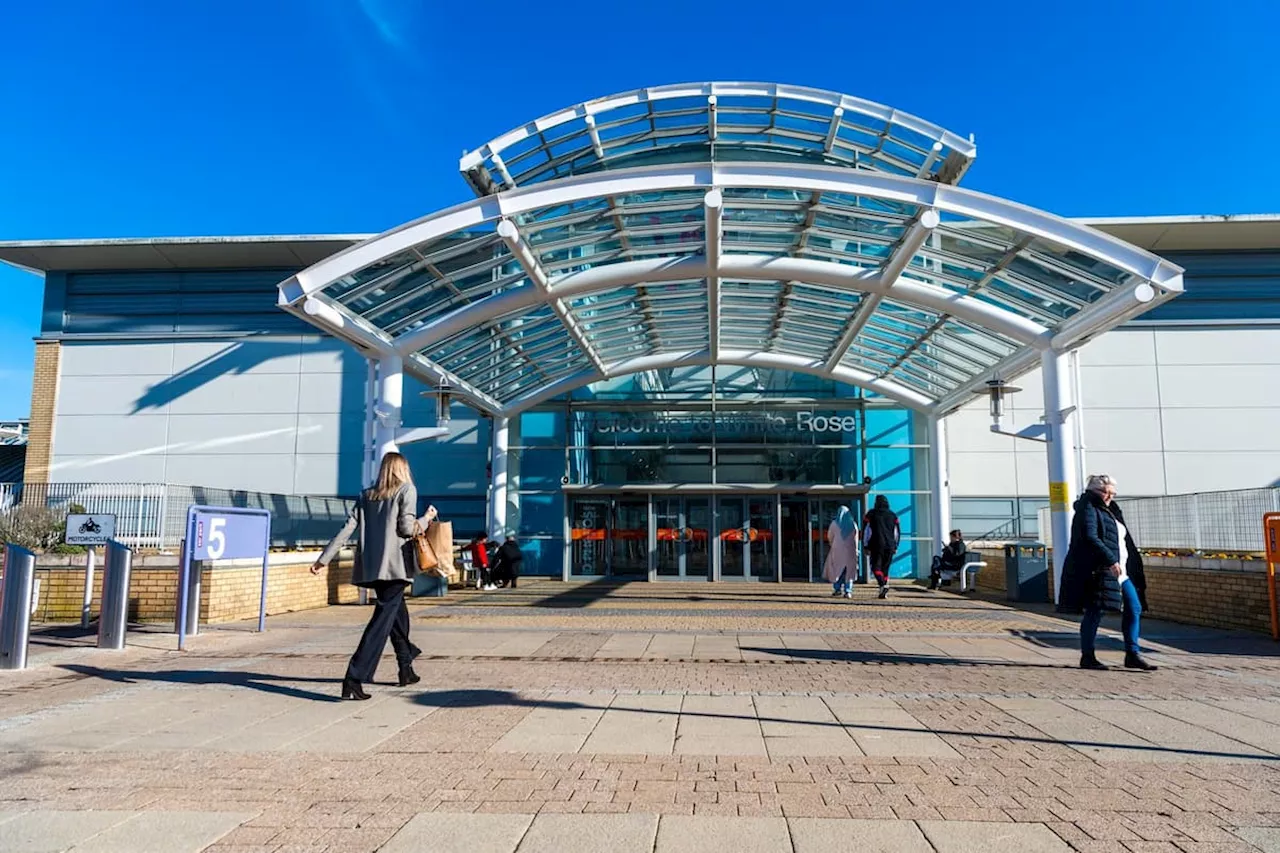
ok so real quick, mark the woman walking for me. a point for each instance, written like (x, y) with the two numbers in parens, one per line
(842, 556)
(1103, 571)
(385, 516)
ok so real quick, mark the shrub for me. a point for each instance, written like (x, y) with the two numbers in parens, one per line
(35, 528)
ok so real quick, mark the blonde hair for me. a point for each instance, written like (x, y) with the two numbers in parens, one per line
(1098, 483)
(393, 474)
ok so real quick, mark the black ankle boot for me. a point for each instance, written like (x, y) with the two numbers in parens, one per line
(351, 689)
(1133, 660)
(1092, 662)
(408, 676)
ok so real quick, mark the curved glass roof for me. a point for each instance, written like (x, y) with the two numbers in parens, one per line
(718, 122)
(907, 287)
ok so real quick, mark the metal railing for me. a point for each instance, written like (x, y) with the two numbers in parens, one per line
(1202, 523)
(153, 515)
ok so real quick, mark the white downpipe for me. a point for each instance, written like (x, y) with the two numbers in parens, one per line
(390, 401)
(1082, 464)
(498, 482)
(1060, 449)
(939, 483)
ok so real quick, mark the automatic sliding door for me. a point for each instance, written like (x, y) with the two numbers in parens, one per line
(589, 533)
(732, 537)
(630, 538)
(670, 535)
(697, 537)
(794, 539)
(762, 539)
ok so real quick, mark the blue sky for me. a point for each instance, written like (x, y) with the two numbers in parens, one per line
(151, 118)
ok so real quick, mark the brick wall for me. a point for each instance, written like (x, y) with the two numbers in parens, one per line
(1222, 597)
(1228, 594)
(44, 403)
(227, 592)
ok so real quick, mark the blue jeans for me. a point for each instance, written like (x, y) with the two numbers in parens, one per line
(1128, 622)
(844, 583)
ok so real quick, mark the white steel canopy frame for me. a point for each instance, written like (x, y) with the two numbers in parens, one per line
(910, 288)
(718, 122)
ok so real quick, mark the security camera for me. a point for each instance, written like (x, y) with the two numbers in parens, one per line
(564, 481)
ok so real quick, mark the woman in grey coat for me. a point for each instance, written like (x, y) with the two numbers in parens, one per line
(386, 515)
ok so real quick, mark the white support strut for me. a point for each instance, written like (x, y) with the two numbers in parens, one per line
(906, 249)
(713, 202)
(519, 248)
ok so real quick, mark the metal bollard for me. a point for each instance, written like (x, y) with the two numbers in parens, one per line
(193, 600)
(15, 606)
(113, 620)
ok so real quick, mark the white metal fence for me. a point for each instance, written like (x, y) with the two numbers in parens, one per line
(153, 515)
(1204, 522)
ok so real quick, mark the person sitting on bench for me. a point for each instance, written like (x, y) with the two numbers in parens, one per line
(950, 560)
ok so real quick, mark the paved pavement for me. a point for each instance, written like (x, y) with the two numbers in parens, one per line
(662, 717)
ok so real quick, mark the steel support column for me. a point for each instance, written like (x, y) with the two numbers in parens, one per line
(939, 483)
(1059, 418)
(498, 479)
(390, 401)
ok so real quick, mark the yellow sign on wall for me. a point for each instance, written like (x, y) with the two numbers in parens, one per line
(1059, 497)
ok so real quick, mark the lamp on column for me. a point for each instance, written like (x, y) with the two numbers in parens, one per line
(997, 390)
(444, 403)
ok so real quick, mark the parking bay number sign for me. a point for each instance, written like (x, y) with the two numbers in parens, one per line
(229, 536)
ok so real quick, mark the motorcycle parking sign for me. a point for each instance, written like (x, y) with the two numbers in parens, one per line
(90, 528)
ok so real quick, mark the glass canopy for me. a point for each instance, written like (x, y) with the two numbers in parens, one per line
(718, 122)
(653, 248)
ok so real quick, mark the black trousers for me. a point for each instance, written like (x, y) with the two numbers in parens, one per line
(390, 619)
(880, 560)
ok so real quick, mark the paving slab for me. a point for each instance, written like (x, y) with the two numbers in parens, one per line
(954, 836)
(462, 832)
(822, 835)
(164, 832)
(1266, 838)
(1179, 738)
(681, 834)
(54, 831)
(590, 833)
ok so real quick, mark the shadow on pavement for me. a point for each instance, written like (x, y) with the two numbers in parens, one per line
(855, 656)
(230, 678)
(481, 698)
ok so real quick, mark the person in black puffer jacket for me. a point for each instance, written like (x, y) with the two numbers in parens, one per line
(1103, 571)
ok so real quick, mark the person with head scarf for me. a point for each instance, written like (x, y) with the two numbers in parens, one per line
(881, 534)
(1103, 571)
(842, 555)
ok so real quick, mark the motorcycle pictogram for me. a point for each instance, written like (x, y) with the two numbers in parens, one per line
(90, 526)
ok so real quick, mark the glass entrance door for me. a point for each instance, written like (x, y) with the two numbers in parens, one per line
(630, 538)
(588, 531)
(747, 538)
(796, 540)
(732, 524)
(682, 528)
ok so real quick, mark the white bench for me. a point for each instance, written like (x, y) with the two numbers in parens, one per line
(966, 574)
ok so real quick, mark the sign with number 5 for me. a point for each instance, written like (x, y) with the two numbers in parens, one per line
(228, 536)
(221, 533)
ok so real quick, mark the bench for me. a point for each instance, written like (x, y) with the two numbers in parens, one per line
(966, 574)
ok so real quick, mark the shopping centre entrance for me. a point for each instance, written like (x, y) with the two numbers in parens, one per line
(646, 282)
(701, 537)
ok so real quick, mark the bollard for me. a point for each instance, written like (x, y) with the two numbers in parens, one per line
(113, 619)
(15, 606)
(88, 590)
(193, 600)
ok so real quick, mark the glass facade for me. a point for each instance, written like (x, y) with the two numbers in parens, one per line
(715, 476)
